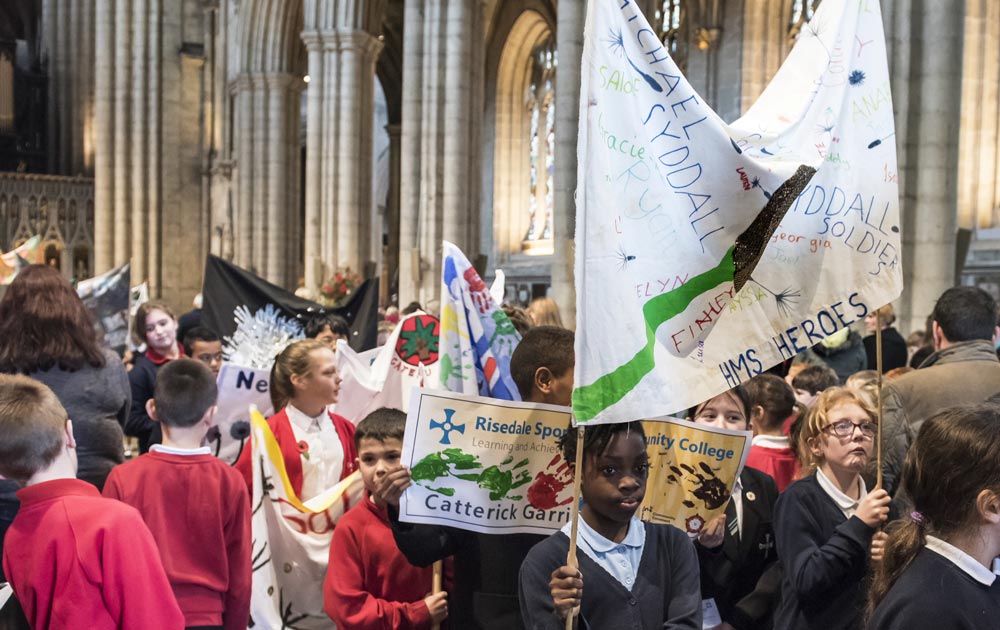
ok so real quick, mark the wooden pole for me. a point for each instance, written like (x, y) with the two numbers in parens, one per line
(574, 516)
(436, 585)
(878, 382)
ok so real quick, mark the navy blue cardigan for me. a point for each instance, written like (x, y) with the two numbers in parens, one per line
(824, 557)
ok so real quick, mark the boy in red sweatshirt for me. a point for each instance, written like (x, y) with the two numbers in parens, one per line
(369, 583)
(196, 506)
(73, 558)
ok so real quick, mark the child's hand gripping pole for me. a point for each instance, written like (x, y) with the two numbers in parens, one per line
(575, 513)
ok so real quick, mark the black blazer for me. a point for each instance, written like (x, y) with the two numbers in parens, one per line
(731, 573)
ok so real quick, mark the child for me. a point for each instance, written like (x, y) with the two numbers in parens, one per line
(772, 402)
(317, 446)
(370, 584)
(72, 557)
(631, 574)
(935, 572)
(328, 329)
(201, 344)
(201, 517)
(811, 381)
(736, 550)
(825, 522)
(486, 565)
(156, 326)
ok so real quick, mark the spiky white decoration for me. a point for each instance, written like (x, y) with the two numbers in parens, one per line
(259, 337)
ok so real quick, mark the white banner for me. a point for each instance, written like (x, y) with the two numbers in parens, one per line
(239, 387)
(707, 252)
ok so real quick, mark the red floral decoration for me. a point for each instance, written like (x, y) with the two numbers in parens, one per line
(339, 288)
(304, 448)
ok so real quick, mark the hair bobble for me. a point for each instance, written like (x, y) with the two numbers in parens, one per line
(917, 517)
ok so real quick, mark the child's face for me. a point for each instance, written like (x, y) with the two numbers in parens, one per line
(614, 482)
(722, 412)
(161, 330)
(378, 457)
(209, 353)
(322, 382)
(328, 338)
(845, 447)
(803, 396)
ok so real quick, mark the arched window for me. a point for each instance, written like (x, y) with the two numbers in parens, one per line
(802, 12)
(671, 19)
(540, 102)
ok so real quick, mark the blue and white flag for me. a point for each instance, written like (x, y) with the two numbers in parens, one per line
(477, 338)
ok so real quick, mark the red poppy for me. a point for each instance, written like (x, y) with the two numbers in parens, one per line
(304, 448)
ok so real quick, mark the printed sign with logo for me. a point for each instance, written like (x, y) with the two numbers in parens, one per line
(239, 387)
(486, 465)
(692, 472)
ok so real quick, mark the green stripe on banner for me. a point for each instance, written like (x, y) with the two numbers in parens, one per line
(590, 400)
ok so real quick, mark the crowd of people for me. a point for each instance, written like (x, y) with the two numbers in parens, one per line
(809, 539)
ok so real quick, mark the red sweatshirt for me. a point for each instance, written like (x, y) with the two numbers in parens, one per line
(780, 462)
(77, 560)
(199, 512)
(281, 426)
(369, 583)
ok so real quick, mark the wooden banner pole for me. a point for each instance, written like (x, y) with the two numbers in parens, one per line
(436, 584)
(574, 516)
(878, 382)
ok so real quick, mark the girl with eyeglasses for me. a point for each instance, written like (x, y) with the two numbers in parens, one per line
(825, 524)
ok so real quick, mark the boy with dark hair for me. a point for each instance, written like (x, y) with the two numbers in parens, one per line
(328, 329)
(204, 502)
(485, 595)
(201, 344)
(369, 583)
(811, 381)
(71, 556)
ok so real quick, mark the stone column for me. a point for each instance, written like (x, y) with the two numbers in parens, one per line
(569, 43)
(930, 155)
(441, 151)
(6, 88)
(343, 47)
(391, 261)
(104, 166)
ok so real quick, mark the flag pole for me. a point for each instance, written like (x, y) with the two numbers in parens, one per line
(436, 585)
(574, 517)
(878, 385)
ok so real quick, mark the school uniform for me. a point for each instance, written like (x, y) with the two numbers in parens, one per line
(77, 560)
(733, 571)
(485, 591)
(142, 383)
(318, 451)
(369, 583)
(773, 455)
(199, 513)
(649, 580)
(943, 587)
(823, 549)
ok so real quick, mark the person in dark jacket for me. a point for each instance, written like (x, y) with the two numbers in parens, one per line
(156, 326)
(894, 350)
(844, 352)
(47, 333)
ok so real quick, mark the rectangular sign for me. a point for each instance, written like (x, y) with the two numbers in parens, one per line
(692, 471)
(486, 465)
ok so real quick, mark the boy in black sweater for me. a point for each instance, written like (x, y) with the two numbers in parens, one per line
(484, 594)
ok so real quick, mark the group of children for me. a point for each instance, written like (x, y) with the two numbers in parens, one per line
(795, 548)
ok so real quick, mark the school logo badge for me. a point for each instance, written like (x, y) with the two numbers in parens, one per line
(418, 340)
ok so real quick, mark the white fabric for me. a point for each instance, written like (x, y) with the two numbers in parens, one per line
(737, 498)
(777, 442)
(846, 504)
(666, 189)
(324, 465)
(173, 450)
(969, 565)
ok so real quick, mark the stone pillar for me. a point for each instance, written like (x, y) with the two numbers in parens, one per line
(343, 48)
(569, 43)
(765, 44)
(6, 89)
(442, 155)
(929, 155)
(391, 261)
(104, 166)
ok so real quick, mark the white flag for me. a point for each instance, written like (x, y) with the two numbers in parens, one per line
(707, 252)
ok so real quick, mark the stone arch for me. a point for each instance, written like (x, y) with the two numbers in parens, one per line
(517, 31)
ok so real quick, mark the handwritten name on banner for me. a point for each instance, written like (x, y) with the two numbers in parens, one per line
(692, 471)
(494, 466)
(239, 388)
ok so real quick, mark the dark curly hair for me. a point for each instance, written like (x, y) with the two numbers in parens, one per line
(595, 438)
(44, 324)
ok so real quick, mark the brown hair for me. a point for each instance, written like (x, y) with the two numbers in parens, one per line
(43, 324)
(185, 389)
(32, 422)
(293, 360)
(818, 417)
(382, 424)
(774, 396)
(955, 457)
(545, 312)
(885, 316)
(141, 313)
